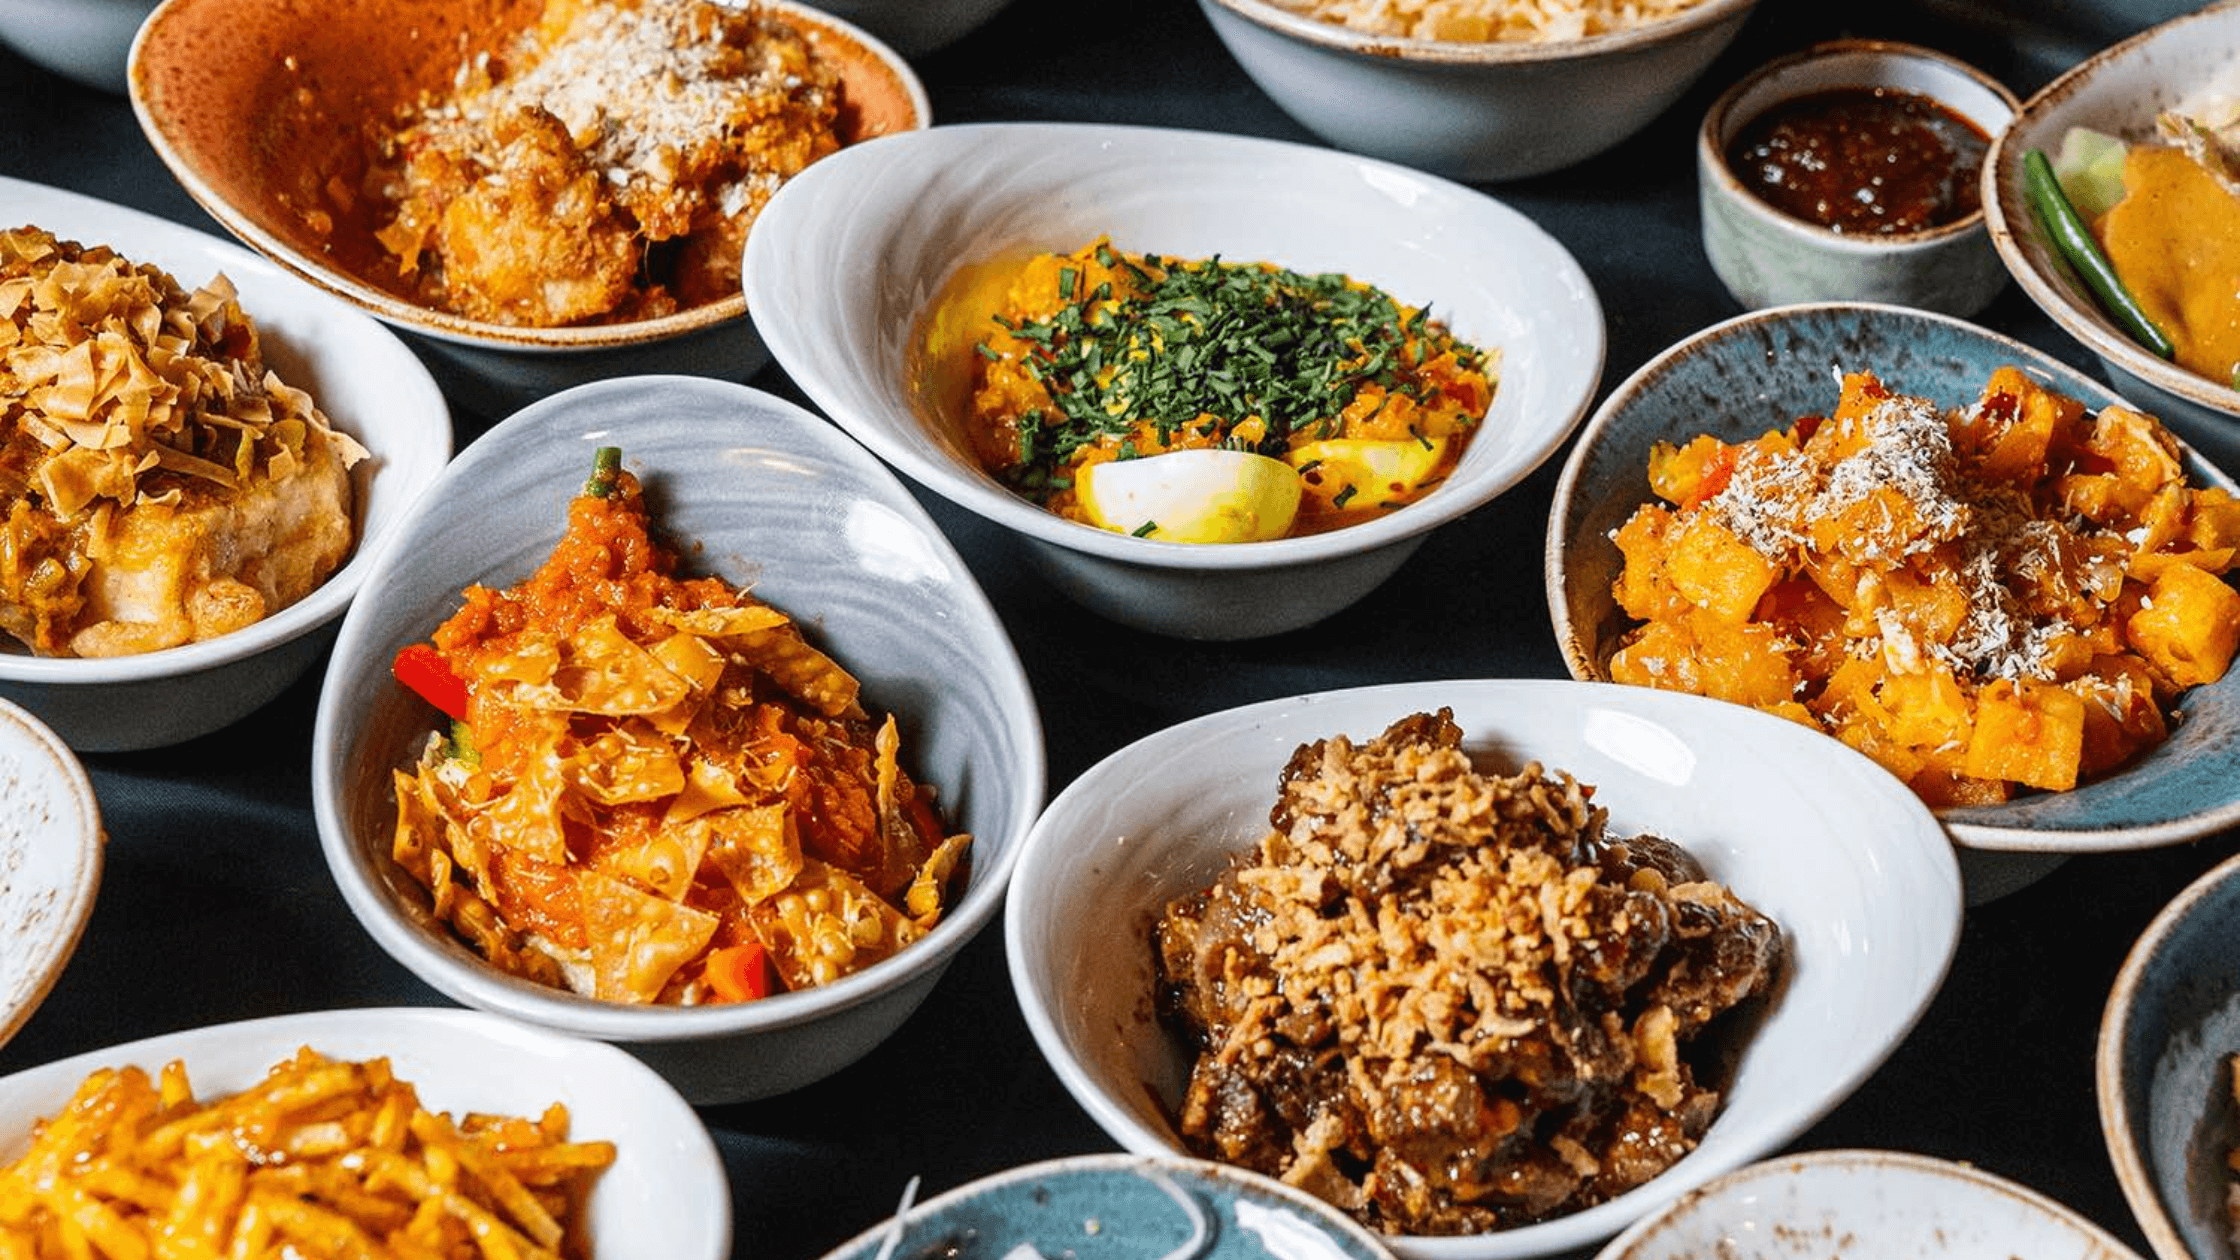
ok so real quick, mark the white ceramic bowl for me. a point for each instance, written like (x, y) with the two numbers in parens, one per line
(241, 99)
(1768, 258)
(1864, 1205)
(766, 494)
(916, 27)
(1850, 864)
(663, 1198)
(2163, 1069)
(366, 382)
(2119, 91)
(1473, 111)
(855, 249)
(51, 849)
(82, 40)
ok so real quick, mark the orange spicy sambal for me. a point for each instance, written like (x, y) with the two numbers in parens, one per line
(654, 789)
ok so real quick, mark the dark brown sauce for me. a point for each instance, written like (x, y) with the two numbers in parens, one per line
(1862, 161)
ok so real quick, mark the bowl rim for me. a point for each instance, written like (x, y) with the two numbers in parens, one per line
(73, 907)
(1572, 1232)
(1712, 164)
(1966, 832)
(1868, 1159)
(976, 492)
(1482, 53)
(1322, 1214)
(430, 430)
(479, 985)
(2132, 1170)
(2075, 313)
(427, 321)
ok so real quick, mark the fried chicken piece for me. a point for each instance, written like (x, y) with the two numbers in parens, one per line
(535, 240)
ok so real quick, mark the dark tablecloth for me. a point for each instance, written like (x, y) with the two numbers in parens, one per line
(217, 906)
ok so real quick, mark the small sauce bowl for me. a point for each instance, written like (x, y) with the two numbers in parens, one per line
(1770, 257)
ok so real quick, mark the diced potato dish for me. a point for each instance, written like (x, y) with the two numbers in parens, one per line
(2003, 596)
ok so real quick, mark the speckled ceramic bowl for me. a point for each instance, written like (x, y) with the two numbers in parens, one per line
(365, 380)
(1761, 371)
(856, 249)
(51, 849)
(1473, 111)
(2182, 62)
(764, 494)
(1848, 861)
(2164, 1069)
(261, 111)
(1122, 1207)
(1767, 258)
(1864, 1205)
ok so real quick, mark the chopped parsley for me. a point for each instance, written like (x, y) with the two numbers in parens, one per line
(1231, 341)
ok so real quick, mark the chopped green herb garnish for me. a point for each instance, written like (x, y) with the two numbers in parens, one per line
(1210, 339)
(1342, 497)
(1145, 530)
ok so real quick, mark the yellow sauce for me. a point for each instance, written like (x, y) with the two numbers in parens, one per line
(2175, 240)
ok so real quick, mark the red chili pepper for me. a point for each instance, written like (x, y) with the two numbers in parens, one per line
(422, 668)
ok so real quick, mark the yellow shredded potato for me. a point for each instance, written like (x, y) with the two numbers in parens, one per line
(320, 1158)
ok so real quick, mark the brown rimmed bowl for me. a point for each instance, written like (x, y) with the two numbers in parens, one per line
(263, 108)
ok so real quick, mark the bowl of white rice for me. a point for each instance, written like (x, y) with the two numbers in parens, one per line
(1477, 90)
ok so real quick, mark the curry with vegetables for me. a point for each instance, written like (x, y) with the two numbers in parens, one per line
(1102, 357)
(2002, 596)
(654, 788)
(2166, 216)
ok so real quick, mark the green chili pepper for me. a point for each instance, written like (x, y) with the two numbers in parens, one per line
(605, 463)
(2074, 240)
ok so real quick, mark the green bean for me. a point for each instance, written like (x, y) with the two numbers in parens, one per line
(2074, 241)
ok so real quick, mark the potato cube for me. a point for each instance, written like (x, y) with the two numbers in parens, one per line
(1744, 664)
(1717, 571)
(2121, 717)
(2188, 626)
(2030, 732)
(2014, 426)
(1928, 710)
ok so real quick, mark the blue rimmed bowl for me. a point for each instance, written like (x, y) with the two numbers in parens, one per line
(1759, 372)
(1122, 1207)
(2163, 1069)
